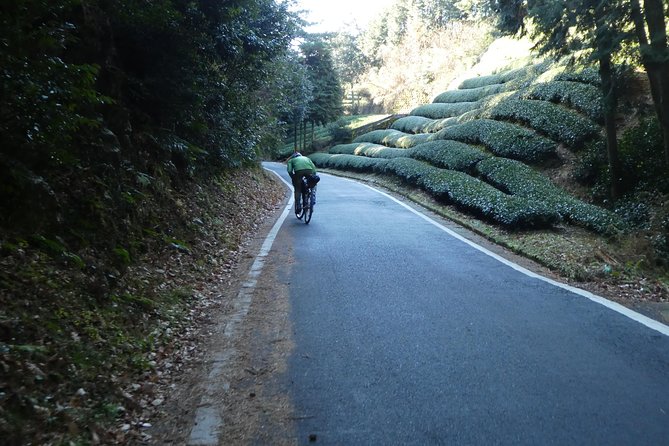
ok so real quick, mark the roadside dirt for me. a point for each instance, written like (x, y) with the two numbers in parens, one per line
(252, 411)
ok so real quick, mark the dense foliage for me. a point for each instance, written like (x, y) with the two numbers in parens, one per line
(99, 98)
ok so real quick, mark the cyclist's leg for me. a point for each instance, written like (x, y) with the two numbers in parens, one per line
(297, 185)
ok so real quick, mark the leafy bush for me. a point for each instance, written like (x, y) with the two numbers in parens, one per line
(469, 94)
(502, 139)
(520, 77)
(348, 162)
(642, 155)
(412, 124)
(339, 131)
(520, 180)
(585, 98)
(442, 110)
(420, 124)
(473, 195)
(582, 75)
(480, 82)
(370, 150)
(555, 121)
(392, 138)
(448, 154)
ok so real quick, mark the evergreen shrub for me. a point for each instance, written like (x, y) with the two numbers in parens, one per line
(370, 150)
(520, 77)
(582, 75)
(472, 194)
(443, 110)
(348, 162)
(392, 138)
(585, 98)
(412, 124)
(449, 154)
(555, 121)
(469, 94)
(502, 139)
(520, 180)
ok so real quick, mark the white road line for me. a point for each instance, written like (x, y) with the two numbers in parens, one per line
(208, 419)
(648, 322)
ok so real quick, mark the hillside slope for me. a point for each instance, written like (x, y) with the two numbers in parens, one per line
(500, 154)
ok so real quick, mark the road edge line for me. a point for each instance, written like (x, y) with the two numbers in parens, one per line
(638, 317)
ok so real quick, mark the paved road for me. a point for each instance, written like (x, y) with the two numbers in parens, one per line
(407, 335)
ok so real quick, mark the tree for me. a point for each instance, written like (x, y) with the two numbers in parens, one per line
(591, 28)
(326, 105)
(651, 34)
(348, 59)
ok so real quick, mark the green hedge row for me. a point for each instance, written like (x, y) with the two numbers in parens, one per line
(472, 195)
(520, 180)
(392, 138)
(585, 98)
(469, 94)
(370, 150)
(443, 110)
(555, 121)
(420, 124)
(520, 76)
(448, 154)
(584, 75)
(348, 162)
(502, 139)
(412, 124)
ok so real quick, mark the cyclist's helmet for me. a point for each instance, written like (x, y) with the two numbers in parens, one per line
(295, 155)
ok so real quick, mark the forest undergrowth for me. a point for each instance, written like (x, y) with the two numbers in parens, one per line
(82, 360)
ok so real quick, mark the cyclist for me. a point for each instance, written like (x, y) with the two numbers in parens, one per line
(299, 166)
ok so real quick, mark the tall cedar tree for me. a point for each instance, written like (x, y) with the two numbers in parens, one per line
(651, 34)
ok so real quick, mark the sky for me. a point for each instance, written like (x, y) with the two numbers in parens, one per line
(337, 15)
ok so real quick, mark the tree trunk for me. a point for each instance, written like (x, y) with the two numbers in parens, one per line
(655, 59)
(609, 102)
(295, 141)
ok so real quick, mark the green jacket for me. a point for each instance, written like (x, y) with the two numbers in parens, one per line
(300, 163)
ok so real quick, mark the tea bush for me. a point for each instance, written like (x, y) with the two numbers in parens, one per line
(520, 77)
(443, 110)
(583, 75)
(555, 121)
(585, 98)
(469, 94)
(502, 139)
(472, 195)
(370, 150)
(412, 124)
(448, 154)
(392, 138)
(348, 162)
(518, 179)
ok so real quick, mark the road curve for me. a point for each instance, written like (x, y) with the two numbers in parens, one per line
(405, 334)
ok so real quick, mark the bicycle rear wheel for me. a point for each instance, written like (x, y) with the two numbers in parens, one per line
(308, 206)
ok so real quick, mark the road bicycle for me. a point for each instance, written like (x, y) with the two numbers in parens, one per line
(308, 198)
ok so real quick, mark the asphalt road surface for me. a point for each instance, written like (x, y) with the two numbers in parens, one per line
(405, 334)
